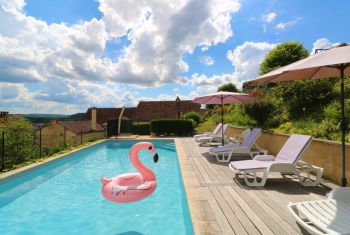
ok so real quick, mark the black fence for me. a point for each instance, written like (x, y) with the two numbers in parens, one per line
(24, 146)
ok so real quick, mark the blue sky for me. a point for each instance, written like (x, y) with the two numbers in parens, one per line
(63, 56)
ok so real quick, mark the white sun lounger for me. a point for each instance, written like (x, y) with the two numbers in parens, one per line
(330, 216)
(214, 139)
(216, 131)
(284, 162)
(224, 153)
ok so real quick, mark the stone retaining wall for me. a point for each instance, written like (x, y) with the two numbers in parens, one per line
(322, 153)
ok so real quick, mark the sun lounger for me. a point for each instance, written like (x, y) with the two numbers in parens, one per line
(214, 139)
(216, 131)
(284, 162)
(224, 153)
(329, 216)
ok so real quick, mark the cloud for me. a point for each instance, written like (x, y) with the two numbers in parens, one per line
(67, 63)
(206, 60)
(11, 91)
(268, 18)
(321, 43)
(283, 26)
(245, 59)
(204, 48)
(160, 33)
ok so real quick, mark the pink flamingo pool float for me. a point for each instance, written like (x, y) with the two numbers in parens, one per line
(131, 187)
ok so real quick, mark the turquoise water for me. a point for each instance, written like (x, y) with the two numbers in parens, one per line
(63, 197)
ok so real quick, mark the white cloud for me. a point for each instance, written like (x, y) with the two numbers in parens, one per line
(321, 43)
(204, 48)
(283, 26)
(67, 62)
(207, 60)
(269, 17)
(246, 60)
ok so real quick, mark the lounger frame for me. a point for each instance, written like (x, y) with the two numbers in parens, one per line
(298, 168)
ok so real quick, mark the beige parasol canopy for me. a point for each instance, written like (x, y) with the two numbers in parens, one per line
(331, 62)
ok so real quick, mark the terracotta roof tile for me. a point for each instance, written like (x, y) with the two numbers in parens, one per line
(150, 110)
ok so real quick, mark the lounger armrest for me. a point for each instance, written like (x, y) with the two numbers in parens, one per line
(340, 194)
(264, 158)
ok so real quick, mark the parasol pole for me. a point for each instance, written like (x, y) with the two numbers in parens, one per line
(343, 126)
(222, 120)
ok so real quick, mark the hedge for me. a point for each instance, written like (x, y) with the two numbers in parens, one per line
(142, 128)
(177, 127)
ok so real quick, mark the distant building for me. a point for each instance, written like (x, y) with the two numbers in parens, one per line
(145, 111)
(149, 110)
(59, 132)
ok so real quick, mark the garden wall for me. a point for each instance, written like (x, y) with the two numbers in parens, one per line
(322, 153)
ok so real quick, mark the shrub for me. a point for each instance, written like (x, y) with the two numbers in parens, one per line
(142, 128)
(19, 141)
(178, 127)
(333, 112)
(304, 98)
(260, 110)
(192, 116)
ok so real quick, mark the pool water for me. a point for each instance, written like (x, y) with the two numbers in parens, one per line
(63, 196)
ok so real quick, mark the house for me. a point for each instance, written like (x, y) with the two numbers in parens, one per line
(149, 110)
(58, 133)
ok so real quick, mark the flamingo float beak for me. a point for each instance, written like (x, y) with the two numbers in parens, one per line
(155, 157)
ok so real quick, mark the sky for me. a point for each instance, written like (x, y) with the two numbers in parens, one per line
(63, 56)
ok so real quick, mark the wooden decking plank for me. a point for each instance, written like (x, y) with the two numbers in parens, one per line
(231, 217)
(251, 214)
(220, 216)
(279, 204)
(215, 172)
(203, 172)
(237, 210)
(268, 219)
(268, 208)
(219, 204)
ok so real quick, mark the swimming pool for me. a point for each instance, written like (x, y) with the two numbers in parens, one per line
(63, 196)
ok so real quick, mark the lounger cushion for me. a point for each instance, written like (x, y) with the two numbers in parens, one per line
(223, 149)
(251, 138)
(292, 149)
(250, 164)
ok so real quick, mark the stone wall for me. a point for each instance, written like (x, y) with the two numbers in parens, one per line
(322, 153)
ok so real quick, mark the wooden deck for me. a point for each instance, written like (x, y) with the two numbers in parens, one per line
(221, 204)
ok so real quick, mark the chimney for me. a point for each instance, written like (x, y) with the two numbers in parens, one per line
(178, 107)
(93, 118)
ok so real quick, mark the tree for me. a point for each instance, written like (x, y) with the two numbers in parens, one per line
(228, 87)
(282, 55)
(19, 140)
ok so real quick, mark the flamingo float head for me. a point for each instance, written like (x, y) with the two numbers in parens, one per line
(150, 147)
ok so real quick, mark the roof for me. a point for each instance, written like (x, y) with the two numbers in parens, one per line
(150, 110)
(103, 114)
(78, 126)
(5, 116)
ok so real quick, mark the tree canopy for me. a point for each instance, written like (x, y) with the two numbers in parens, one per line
(228, 87)
(282, 55)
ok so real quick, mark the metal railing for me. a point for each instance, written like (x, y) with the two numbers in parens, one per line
(19, 146)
